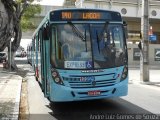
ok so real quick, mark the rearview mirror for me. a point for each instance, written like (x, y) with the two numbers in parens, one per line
(46, 33)
(125, 29)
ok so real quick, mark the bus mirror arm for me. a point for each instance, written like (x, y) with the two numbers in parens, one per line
(46, 33)
(125, 29)
(140, 45)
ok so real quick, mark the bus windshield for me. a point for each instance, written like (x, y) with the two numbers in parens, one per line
(87, 46)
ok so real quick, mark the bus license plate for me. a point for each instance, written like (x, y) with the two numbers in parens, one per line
(94, 93)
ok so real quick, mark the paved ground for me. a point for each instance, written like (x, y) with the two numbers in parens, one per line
(142, 100)
(154, 77)
(10, 87)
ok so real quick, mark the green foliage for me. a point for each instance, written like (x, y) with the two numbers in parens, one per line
(29, 13)
(26, 24)
(22, 1)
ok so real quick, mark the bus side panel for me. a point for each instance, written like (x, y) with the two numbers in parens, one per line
(43, 72)
(36, 60)
(48, 67)
(45, 68)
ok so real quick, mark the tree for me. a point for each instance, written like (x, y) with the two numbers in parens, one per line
(15, 14)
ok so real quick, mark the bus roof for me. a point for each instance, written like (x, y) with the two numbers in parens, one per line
(79, 9)
(73, 9)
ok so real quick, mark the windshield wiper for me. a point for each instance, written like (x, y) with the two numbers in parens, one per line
(99, 38)
(108, 32)
(76, 31)
(85, 41)
(98, 41)
(104, 27)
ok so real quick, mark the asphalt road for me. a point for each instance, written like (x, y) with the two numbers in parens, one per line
(141, 101)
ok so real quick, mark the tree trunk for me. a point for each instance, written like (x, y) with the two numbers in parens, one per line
(11, 12)
(10, 27)
(12, 48)
(11, 58)
(6, 27)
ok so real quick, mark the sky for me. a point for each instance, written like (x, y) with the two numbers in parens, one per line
(24, 43)
(50, 2)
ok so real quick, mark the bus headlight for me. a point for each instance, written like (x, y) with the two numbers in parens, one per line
(57, 80)
(124, 73)
(56, 77)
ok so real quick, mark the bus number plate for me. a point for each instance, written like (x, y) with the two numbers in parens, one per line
(94, 93)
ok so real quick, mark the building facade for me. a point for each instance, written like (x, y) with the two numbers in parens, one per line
(131, 11)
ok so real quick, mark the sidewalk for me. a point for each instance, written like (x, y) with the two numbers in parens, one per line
(10, 89)
(154, 77)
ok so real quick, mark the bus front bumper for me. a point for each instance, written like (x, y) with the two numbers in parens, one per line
(63, 94)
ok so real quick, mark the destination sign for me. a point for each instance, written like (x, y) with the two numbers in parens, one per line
(81, 15)
(84, 14)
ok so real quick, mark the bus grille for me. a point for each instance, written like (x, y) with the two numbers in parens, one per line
(77, 83)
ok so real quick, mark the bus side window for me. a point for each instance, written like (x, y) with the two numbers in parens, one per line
(39, 40)
(59, 47)
(53, 46)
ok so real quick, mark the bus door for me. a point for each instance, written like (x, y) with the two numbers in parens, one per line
(45, 67)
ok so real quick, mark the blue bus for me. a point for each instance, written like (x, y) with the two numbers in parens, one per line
(81, 54)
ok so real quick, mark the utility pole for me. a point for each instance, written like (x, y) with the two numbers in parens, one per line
(10, 58)
(144, 60)
(81, 3)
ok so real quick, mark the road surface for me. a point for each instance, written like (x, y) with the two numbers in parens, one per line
(142, 102)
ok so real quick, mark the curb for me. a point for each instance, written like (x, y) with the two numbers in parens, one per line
(15, 114)
(147, 85)
(138, 67)
(156, 84)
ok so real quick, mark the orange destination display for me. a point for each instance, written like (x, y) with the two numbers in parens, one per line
(81, 15)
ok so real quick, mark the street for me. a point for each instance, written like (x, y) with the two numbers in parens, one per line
(142, 99)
